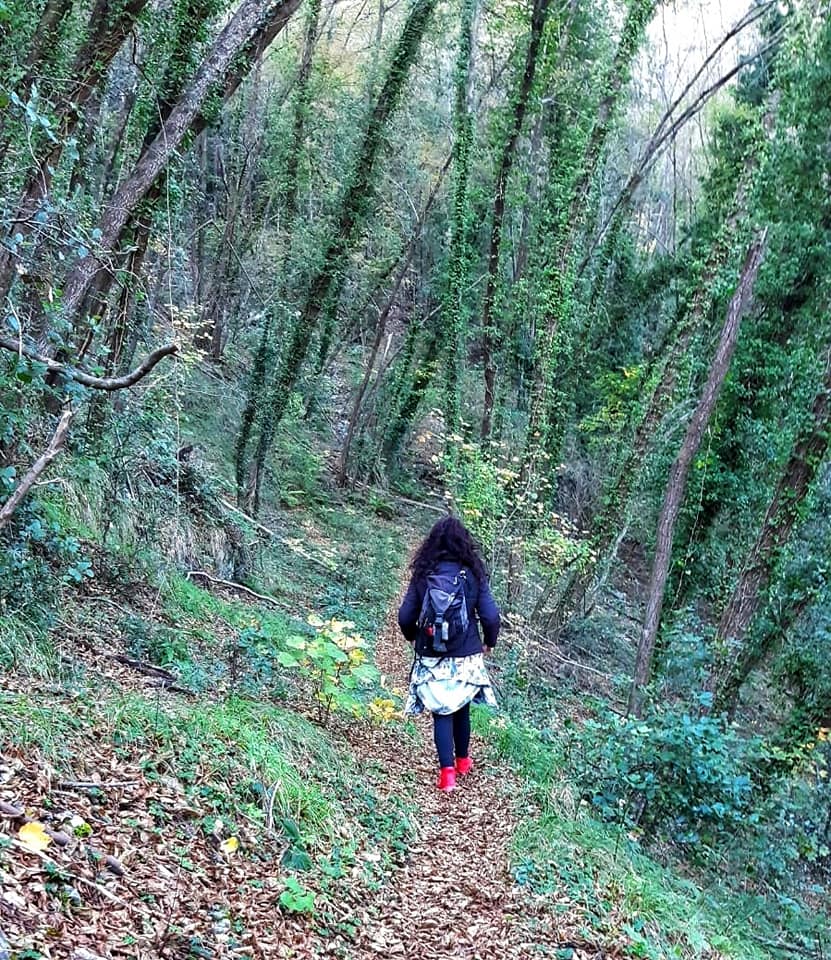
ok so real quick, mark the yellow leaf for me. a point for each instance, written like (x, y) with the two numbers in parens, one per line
(34, 837)
(229, 846)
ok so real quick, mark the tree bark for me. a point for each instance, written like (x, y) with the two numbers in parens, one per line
(739, 658)
(245, 36)
(55, 446)
(327, 282)
(569, 223)
(676, 483)
(458, 253)
(538, 19)
(343, 461)
(44, 37)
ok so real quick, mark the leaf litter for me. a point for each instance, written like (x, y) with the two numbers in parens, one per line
(114, 864)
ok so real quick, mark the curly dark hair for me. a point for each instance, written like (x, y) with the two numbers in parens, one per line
(448, 540)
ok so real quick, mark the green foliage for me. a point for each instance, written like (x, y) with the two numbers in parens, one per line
(296, 898)
(594, 867)
(297, 461)
(25, 646)
(333, 663)
(670, 774)
(39, 553)
(479, 488)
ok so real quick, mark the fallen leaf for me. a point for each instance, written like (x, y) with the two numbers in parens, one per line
(229, 846)
(34, 837)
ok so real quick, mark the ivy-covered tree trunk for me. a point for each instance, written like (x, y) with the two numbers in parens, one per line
(453, 319)
(660, 388)
(301, 114)
(736, 656)
(568, 221)
(324, 288)
(677, 481)
(489, 329)
(46, 34)
(256, 393)
(381, 326)
(189, 23)
(108, 26)
(230, 58)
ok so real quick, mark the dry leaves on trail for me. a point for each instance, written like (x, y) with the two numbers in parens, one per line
(455, 896)
(128, 871)
(118, 863)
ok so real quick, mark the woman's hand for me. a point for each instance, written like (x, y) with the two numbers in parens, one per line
(486, 650)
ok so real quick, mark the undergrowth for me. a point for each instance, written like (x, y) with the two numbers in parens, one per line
(237, 759)
(620, 880)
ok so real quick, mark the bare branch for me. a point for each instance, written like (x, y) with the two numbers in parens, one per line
(87, 379)
(663, 134)
(55, 446)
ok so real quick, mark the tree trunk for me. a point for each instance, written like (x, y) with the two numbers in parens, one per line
(569, 225)
(226, 63)
(44, 38)
(676, 483)
(301, 112)
(663, 377)
(325, 286)
(108, 31)
(739, 658)
(458, 254)
(343, 462)
(538, 19)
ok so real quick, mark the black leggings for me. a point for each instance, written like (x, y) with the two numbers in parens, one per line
(451, 732)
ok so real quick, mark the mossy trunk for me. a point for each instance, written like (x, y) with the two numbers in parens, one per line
(453, 313)
(324, 288)
(677, 480)
(737, 657)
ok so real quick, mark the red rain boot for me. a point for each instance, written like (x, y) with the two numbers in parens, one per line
(447, 779)
(463, 765)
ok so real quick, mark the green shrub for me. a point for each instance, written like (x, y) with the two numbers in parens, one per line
(683, 777)
(333, 663)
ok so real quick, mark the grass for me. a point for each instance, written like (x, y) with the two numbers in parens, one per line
(237, 749)
(615, 884)
(24, 647)
(234, 758)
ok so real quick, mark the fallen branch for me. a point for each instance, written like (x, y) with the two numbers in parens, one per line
(250, 519)
(234, 586)
(87, 379)
(95, 785)
(148, 669)
(74, 877)
(273, 533)
(547, 644)
(788, 947)
(443, 510)
(55, 446)
(172, 687)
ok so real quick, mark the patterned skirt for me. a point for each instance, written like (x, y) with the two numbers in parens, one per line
(446, 684)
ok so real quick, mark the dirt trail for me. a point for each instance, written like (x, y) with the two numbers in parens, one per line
(455, 896)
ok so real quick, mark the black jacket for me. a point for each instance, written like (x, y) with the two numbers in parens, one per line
(480, 607)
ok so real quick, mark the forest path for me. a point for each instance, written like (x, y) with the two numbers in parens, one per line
(455, 895)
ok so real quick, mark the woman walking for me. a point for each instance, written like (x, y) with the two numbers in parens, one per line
(448, 596)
